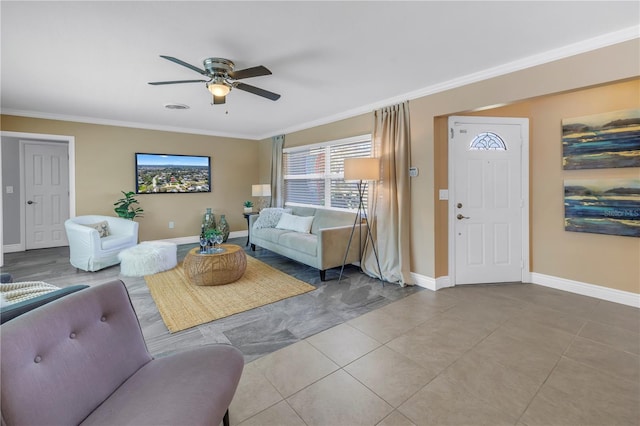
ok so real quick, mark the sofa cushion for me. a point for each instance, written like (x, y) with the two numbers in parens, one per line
(269, 217)
(114, 242)
(269, 234)
(295, 223)
(189, 389)
(298, 241)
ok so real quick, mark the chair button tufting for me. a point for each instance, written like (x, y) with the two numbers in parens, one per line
(72, 336)
(103, 318)
(37, 359)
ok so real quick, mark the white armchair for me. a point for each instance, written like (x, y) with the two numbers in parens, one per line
(89, 252)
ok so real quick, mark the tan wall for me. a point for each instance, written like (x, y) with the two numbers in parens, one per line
(610, 64)
(582, 257)
(105, 166)
(606, 260)
(247, 162)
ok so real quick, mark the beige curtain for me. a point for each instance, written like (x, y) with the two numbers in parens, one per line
(389, 210)
(277, 179)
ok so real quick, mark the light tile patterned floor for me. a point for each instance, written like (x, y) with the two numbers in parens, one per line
(516, 354)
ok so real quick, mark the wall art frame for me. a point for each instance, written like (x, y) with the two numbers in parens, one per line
(607, 140)
(602, 206)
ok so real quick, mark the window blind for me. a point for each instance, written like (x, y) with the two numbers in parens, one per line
(314, 175)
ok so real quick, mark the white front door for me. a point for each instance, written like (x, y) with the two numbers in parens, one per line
(46, 190)
(487, 199)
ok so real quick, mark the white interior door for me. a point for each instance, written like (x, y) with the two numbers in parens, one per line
(46, 190)
(486, 206)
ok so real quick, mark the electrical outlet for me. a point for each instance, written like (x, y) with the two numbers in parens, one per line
(171, 225)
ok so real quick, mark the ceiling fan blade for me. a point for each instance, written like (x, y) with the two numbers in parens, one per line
(219, 100)
(257, 91)
(184, 64)
(249, 72)
(156, 83)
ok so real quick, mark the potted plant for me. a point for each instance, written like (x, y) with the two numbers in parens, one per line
(248, 206)
(126, 207)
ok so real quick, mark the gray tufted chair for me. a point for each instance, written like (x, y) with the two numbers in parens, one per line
(82, 359)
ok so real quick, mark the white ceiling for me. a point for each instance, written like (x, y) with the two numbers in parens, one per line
(91, 61)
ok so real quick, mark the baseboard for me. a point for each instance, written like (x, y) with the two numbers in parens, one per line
(591, 290)
(12, 248)
(424, 281)
(432, 284)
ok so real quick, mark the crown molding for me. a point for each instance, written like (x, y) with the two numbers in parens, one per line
(567, 51)
(107, 122)
(573, 49)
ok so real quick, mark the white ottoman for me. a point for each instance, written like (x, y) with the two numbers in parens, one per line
(148, 257)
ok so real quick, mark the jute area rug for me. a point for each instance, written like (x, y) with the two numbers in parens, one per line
(184, 305)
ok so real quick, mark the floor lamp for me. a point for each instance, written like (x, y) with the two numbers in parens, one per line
(261, 190)
(361, 170)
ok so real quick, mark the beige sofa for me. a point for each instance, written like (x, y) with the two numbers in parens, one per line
(323, 246)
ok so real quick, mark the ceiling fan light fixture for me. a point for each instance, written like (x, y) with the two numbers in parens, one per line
(218, 89)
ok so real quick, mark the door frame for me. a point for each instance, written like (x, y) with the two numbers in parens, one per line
(524, 170)
(40, 137)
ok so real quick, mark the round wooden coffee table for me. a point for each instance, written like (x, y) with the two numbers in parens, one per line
(215, 268)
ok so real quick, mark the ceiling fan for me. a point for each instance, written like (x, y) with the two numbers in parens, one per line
(222, 78)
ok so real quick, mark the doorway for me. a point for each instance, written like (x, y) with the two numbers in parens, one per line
(488, 200)
(46, 189)
(16, 207)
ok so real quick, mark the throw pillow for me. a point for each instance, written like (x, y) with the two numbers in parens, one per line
(101, 227)
(269, 217)
(295, 223)
(20, 291)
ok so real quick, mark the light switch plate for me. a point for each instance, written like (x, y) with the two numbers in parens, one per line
(9, 189)
(443, 194)
(413, 171)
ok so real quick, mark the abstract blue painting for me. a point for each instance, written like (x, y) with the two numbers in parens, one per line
(602, 206)
(608, 140)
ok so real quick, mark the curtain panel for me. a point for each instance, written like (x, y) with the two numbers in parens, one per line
(389, 212)
(277, 179)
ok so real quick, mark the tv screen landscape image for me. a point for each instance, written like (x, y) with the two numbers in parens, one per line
(169, 173)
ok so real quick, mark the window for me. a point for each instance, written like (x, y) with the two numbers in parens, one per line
(487, 141)
(314, 174)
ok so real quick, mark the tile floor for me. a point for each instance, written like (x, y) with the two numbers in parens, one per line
(361, 354)
(513, 354)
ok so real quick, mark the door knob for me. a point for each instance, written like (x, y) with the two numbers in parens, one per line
(460, 217)
(31, 202)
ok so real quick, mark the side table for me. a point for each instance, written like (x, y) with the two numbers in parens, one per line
(247, 216)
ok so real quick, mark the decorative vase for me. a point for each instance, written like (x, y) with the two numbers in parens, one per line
(223, 226)
(248, 209)
(209, 221)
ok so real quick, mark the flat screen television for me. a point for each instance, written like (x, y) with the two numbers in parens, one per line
(170, 173)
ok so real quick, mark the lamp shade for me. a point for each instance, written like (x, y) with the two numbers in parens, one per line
(361, 169)
(218, 89)
(261, 190)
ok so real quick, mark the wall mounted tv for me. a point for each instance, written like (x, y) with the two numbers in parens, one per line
(170, 173)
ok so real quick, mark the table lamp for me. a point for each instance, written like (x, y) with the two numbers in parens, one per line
(261, 190)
